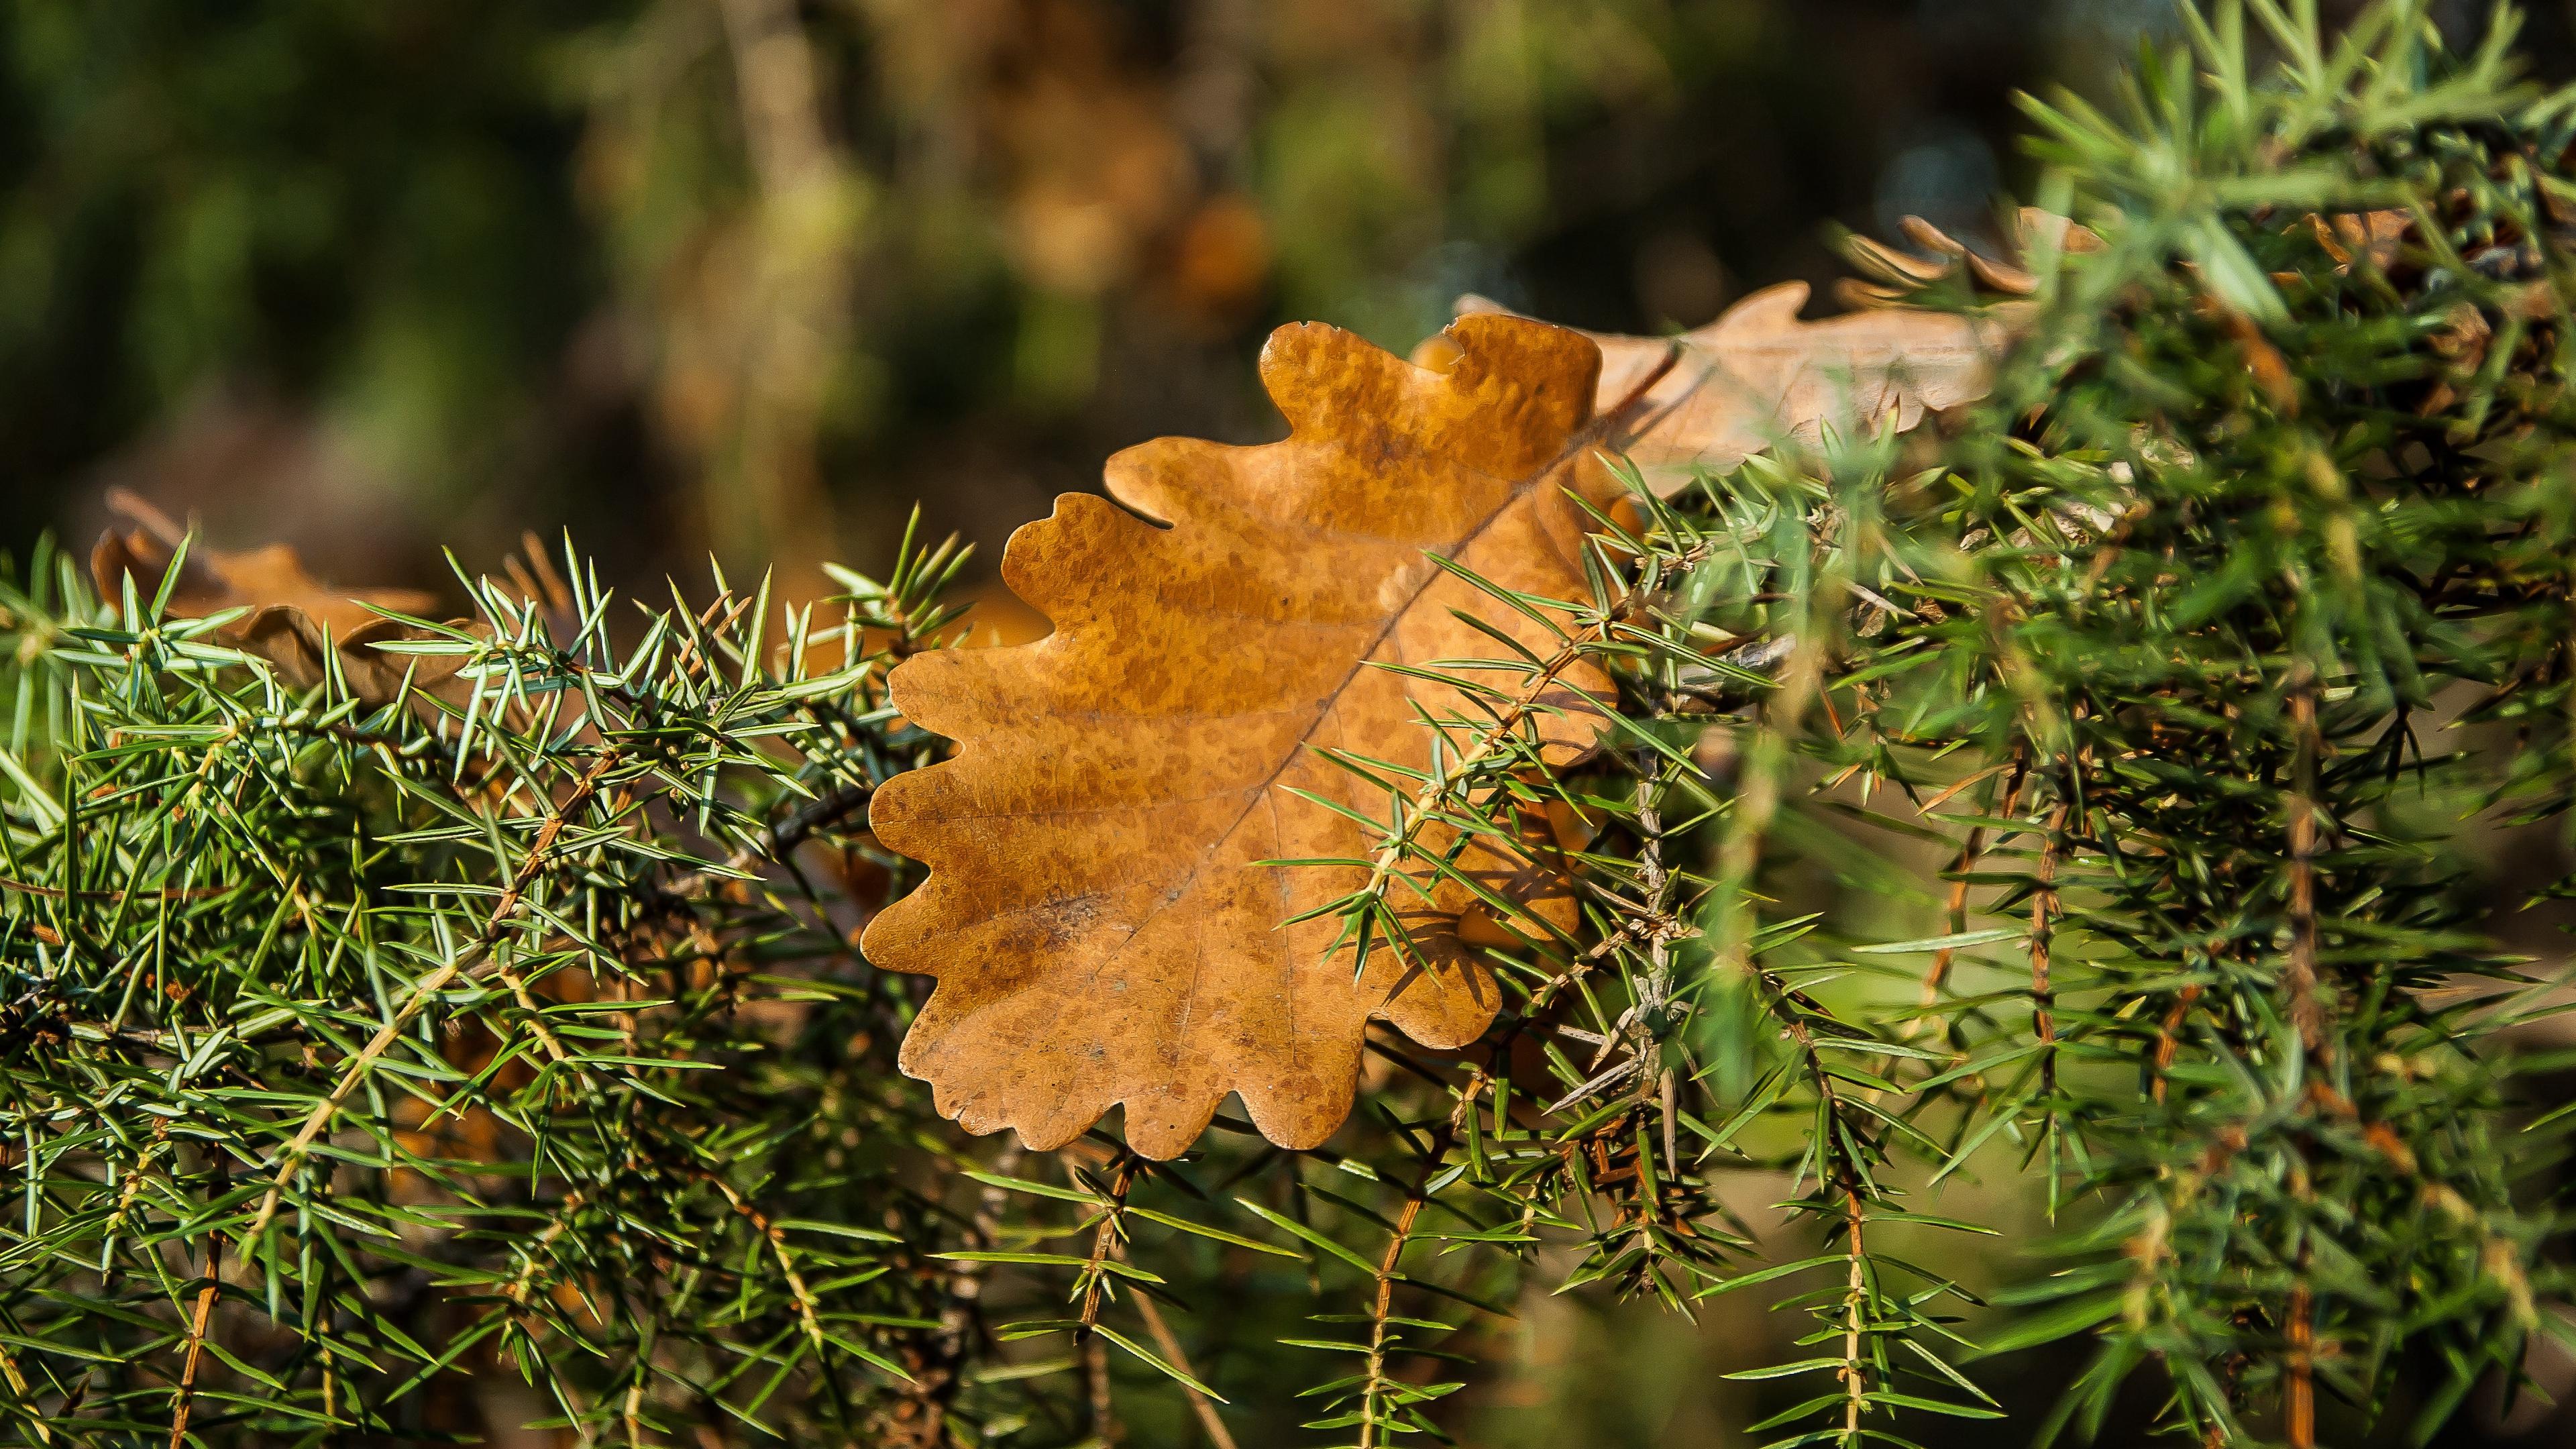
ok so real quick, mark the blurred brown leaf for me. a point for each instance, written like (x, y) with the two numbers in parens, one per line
(1892, 277)
(1714, 396)
(293, 620)
(1100, 912)
(1760, 374)
(2374, 235)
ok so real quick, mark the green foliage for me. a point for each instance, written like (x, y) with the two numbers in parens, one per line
(313, 1018)
(2147, 716)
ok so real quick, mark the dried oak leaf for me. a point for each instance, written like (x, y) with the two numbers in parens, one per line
(1759, 374)
(293, 621)
(1893, 278)
(1717, 395)
(1098, 914)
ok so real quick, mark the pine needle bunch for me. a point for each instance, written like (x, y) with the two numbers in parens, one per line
(354, 1043)
(2270, 514)
(2262, 507)
(2151, 651)
(2066, 812)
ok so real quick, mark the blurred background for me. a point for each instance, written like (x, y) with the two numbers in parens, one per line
(752, 277)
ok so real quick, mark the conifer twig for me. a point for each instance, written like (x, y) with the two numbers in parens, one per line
(1382, 1300)
(184, 1398)
(2307, 1013)
(422, 990)
(1937, 974)
(2043, 924)
(1855, 1317)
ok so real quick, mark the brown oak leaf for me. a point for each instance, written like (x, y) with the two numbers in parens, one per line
(293, 621)
(1098, 913)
